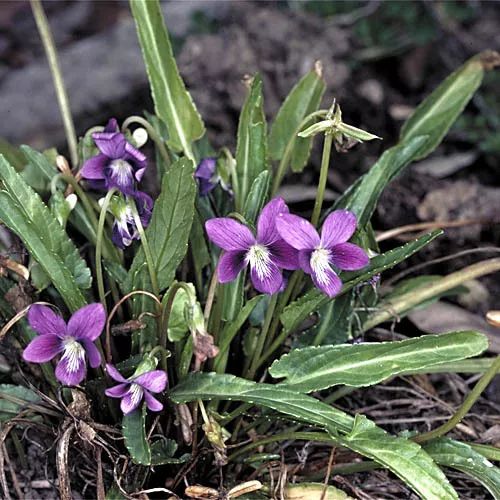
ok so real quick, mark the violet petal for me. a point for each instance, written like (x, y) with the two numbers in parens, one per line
(44, 320)
(43, 348)
(130, 402)
(112, 126)
(115, 374)
(206, 168)
(305, 261)
(328, 282)
(71, 375)
(269, 282)
(117, 391)
(297, 231)
(139, 159)
(349, 257)
(229, 266)
(284, 255)
(152, 403)
(266, 223)
(94, 167)
(228, 234)
(92, 353)
(154, 380)
(111, 144)
(88, 322)
(338, 227)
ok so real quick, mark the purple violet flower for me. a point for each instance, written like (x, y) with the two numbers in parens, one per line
(266, 254)
(206, 175)
(134, 389)
(124, 227)
(318, 254)
(74, 340)
(119, 164)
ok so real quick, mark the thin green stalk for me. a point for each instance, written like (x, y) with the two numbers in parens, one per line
(98, 248)
(466, 405)
(62, 97)
(109, 250)
(262, 337)
(283, 301)
(152, 133)
(285, 160)
(323, 176)
(146, 247)
(411, 299)
(167, 303)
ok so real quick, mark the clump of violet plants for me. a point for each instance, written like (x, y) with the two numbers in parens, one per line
(182, 333)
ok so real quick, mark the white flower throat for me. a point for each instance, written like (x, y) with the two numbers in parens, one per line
(259, 258)
(136, 393)
(74, 354)
(121, 170)
(320, 263)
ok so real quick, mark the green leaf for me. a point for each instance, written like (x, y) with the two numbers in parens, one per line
(24, 213)
(403, 457)
(356, 133)
(360, 365)
(295, 313)
(12, 154)
(13, 399)
(414, 466)
(420, 135)
(232, 295)
(257, 197)
(462, 457)
(134, 432)
(251, 148)
(333, 326)
(302, 100)
(436, 114)
(163, 450)
(168, 231)
(173, 104)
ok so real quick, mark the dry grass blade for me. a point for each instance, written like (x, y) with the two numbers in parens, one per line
(62, 464)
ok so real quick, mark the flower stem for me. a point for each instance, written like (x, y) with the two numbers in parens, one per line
(98, 248)
(62, 97)
(146, 247)
(323, 176)
(262, 337)
(285, 160)
(466, 405)
(152, 133)
(166, 306)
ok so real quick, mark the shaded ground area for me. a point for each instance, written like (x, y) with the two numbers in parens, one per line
(380, 59)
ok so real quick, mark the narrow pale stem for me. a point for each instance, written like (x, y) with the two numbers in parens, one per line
(466, 405)
(411, 299)
(167, 303)
(146, 247)
(152, 133)
(109, 251)
(98, 247)
(262, 337)
(323, 176)
(62, 97)
(285, 160)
